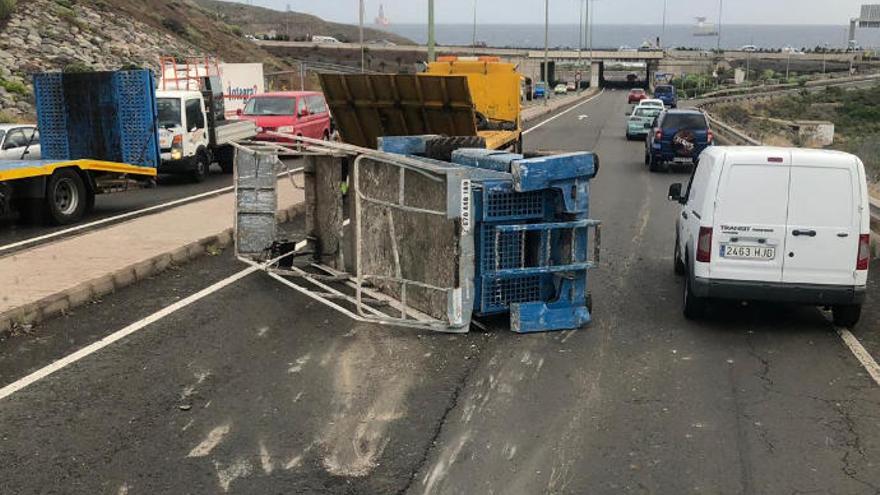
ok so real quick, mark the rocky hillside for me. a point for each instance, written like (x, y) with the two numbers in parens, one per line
(259, 20)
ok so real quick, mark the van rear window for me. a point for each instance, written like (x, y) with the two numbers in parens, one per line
(753, 195)
(662, 90)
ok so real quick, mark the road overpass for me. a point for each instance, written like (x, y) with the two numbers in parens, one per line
(529, 60)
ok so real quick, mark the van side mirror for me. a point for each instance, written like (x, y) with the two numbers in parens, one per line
(675, 193)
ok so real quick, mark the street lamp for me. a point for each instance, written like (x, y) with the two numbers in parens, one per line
(474, 45)
(361, 30)
(431, 41)
(546, 51)
(720, 12)
(824, 55)
(663, 33)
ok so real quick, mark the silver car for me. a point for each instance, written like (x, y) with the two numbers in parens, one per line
(19, 142)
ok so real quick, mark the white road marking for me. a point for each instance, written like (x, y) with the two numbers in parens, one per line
(860, 353)
(551, 119)
(123, 216)
(121, 334)
(239, 469)
(210, 442)
(265, 459)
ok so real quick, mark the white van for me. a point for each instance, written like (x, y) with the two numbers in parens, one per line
(777, 224)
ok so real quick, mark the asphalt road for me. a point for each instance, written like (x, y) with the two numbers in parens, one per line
(170, 188)
(256, 389)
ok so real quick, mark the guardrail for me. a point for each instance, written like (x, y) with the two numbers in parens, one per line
(774, 93)
(875, 214)
(831, 80)
(731, 134)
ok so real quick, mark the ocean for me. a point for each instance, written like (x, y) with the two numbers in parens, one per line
(615, 36)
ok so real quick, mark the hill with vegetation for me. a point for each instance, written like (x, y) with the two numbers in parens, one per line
(290, 25)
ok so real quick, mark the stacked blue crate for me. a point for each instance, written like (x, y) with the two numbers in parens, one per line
(532, 222)
(532, 238)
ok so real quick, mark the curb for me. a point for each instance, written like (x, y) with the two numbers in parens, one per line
(61, 303)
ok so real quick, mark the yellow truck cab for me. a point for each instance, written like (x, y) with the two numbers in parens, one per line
(495, 92)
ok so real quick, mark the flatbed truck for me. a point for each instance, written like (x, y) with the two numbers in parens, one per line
(98, 134)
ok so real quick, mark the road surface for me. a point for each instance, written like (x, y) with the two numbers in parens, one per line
(255, 389)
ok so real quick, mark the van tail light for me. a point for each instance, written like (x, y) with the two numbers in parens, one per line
(177, 140)
(658, 135)
(710, 137)
(704, 245)
(864, 252)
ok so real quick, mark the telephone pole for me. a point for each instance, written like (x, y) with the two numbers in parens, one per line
(361, 29)
(432, 57)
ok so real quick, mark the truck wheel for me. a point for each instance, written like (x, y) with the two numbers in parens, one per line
(200, 168)
(847, 316)
(66, 197)
(694, 307)
(226, 159)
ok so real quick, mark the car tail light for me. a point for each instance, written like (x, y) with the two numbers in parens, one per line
(710, 137)
(658, 135)
(704, 245)
(864, 252)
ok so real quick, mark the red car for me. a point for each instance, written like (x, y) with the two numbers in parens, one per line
(636, 95)
(302, 113)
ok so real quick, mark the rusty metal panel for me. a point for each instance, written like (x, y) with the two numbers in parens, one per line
(369, 106)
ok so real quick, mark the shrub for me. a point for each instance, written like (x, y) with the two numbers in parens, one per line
(5, 118)
(174, 25)
(14, 87)
(6, 9)
(76, 67)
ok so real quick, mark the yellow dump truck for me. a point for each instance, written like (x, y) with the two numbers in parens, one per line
(455, 96)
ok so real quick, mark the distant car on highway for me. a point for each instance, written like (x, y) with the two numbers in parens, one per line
(636, 95)
(540, 90)
(677, 138)
(571, 87)
(19, 142)
(749, 48)
(641, 121)
(666, 93)
(785, 225)
(560, 89)
(627, 49)
(651, 103)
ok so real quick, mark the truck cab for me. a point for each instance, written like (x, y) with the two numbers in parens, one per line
(191, 138)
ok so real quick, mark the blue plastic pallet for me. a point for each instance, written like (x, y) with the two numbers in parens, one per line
(109, 116)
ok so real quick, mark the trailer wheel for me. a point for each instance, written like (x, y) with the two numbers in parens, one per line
(66, 197)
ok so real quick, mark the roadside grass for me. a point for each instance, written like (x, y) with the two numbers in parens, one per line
(14, 87)
(855, 114)
(6, 9)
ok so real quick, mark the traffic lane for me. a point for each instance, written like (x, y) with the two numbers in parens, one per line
(170, 188)
(762, 399)
(256, 389)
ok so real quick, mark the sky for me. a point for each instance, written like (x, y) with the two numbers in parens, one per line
(836, 12)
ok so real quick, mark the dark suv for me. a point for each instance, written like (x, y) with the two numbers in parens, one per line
(667, 94)
(677, 138)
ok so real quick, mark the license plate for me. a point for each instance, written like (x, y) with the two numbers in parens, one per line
(748, 252)
(680, 159)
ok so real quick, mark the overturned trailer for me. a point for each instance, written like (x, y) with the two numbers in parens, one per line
(396, 237)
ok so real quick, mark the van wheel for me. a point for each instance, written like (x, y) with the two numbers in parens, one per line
(847, 316)
(694, 307)
(679, 267)
(66, 199)
(200, 168)
(326, 136)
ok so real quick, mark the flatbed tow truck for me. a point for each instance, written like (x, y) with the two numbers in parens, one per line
(98, 134)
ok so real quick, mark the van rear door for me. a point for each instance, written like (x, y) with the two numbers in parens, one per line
(823, 219)
(750, 217)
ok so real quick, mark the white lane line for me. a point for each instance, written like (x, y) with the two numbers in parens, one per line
(551, 119)
(123, 216)
(860, 353)
(121, 334)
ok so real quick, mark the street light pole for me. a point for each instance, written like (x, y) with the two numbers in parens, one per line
(788, 63)
(546, 51)
(824, 55)
(720, 13)
(589, 23)
(431, 41)
(474, 45)
(663, 33)
(361, 29)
